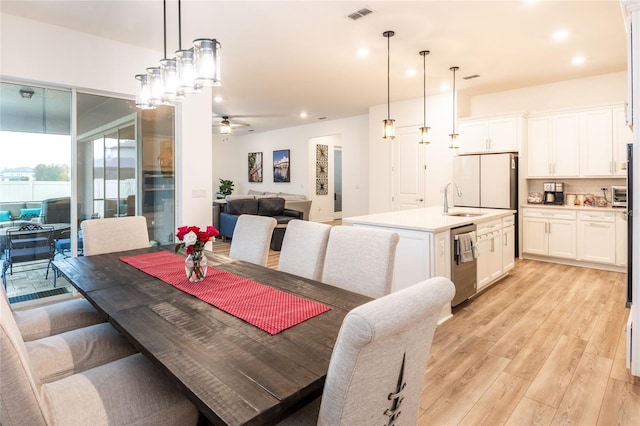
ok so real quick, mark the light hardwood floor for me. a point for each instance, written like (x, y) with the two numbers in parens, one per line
(544, 346)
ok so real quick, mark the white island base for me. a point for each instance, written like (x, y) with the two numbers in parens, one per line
(424, 250)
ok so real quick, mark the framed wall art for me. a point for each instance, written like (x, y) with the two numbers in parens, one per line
(281, 166)
(255, 166)
(322, 169)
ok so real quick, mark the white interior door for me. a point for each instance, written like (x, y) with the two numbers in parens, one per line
(408, 169)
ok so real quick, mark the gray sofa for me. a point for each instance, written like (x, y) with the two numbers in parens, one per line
(51, 210)
(291, 201)
(15, 209)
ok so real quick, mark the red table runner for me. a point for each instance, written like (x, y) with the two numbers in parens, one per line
(265, 307)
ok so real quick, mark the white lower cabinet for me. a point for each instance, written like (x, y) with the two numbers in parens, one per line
(549, 232)
(489, 243)
(621, 238)
(508, 248)
(597, 237)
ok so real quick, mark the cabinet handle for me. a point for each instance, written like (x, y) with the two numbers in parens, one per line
(504, 237)
(548, 232)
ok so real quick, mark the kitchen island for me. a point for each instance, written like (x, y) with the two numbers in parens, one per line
(425, 247)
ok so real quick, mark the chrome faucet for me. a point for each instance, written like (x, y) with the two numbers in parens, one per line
(446, 202)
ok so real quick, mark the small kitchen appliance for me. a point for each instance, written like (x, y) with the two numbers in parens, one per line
(618, 196)
(553, 193)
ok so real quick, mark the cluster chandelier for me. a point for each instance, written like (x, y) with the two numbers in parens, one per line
(454, 135)
(424, 130)
(190, 70)
(389, 129)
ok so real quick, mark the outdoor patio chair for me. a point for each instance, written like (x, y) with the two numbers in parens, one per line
(28, 243)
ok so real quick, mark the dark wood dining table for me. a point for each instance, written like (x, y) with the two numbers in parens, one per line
(235, 373)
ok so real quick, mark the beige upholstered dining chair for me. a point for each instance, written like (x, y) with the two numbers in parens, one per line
(54, 318)
(303, 249)
(78, 387)
(379, 360)
(114, 234)
(360, 260)
(251, 238)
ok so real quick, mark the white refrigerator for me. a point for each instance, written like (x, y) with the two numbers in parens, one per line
(487, 180)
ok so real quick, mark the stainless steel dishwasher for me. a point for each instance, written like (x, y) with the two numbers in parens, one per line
(463, 274)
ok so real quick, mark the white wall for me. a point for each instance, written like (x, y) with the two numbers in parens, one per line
(604, 89)
(353, 139)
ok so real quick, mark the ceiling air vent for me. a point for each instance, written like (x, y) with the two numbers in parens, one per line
(469, 77)
(360, 13)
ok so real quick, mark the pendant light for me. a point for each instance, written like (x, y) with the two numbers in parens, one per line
(389, 129)
(424, 130)
(188, 72)
(453, 134)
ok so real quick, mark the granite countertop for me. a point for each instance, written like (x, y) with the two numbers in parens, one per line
(429, 219)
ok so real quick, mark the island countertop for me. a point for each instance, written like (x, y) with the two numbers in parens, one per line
(428, 219)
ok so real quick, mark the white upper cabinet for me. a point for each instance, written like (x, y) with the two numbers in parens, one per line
(622, 136)
(498, 134)
(553, 145)
(604, 142)
(585, 143)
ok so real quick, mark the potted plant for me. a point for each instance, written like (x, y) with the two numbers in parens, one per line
(225, 188)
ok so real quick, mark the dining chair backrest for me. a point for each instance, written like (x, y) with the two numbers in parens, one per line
(380, 357)
(251, 238)
(303, 249)
(20, 388)
(26, 243)
(360, 260)
(114, 234)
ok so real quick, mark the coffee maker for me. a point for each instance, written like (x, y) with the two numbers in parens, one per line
(554, 193)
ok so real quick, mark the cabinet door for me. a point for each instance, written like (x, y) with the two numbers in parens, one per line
(495, 265)
(483, 274)
(566, 145)
(621, 239)
(562, 238)
(508, 248)
(539, 146)
(597, 242)
(534, 236)
(473, 136)
(503, 134)
(597, 143)
(622, 136)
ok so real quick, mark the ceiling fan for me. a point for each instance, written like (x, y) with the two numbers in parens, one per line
(226, 124)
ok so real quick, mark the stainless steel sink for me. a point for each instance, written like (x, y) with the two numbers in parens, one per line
(462, 214)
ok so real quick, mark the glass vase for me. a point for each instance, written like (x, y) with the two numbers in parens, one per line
(195, 266)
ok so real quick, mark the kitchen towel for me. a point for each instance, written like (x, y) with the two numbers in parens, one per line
(465, 248)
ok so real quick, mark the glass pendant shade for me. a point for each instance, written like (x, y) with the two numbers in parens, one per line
(155, 85)
(207, 62)
(389, 128)
(424, 135)
(186, 71)
(169, 75)
(143, 92)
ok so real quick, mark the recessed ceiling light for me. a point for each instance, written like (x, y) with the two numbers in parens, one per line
(303, 114)
(578, 60)
(560, 35)
(411, 72)
(217, 99)
(363, 52)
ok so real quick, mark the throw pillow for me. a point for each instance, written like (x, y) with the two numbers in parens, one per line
(5, 216)
(271, 206)
(33, 212)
